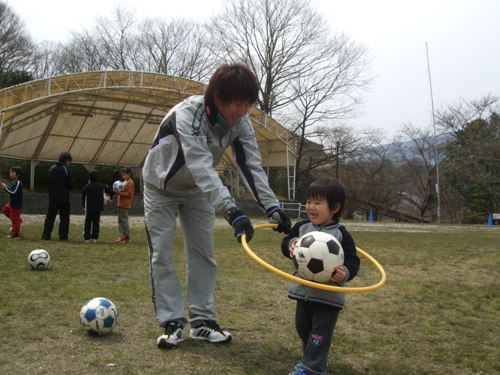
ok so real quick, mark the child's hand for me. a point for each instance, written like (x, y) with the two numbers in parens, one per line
(340, 274)
(292, 246)
(4, 186)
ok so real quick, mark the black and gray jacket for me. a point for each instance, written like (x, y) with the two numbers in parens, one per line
(190, 142)
(351, 262)
(15, 194)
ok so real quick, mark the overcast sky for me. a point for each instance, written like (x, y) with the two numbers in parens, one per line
(463, 38)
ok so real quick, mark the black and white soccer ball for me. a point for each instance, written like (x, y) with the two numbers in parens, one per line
(39, 259)
(316, 255)
(118, 185)
(98, 316)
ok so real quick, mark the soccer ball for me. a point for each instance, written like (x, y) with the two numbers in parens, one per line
(118, 185)
(107, 198)
(98, 316)
(316, 255)
(39, 259)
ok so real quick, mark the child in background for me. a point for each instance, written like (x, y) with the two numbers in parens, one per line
(317, 310)
(93, 204)
(124, 203)
(12, 209)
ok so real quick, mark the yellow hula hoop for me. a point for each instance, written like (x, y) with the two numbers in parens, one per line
(330, 288)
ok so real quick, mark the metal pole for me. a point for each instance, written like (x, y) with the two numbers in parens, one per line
(438, 193)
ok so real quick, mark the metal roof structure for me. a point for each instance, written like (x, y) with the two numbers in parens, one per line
(109, 118)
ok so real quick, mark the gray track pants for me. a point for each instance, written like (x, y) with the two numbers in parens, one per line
(197, 219)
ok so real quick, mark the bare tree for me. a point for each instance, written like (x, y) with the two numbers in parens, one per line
(16, 46)
(456, 117)
(416, 149)
(307, 77)
(115, 38)
(82, 54)
(473, 156)
(47, 60)
(175, 48)
(370, 174)
(289, 47)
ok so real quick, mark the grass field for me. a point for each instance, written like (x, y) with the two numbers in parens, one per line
(438, 313)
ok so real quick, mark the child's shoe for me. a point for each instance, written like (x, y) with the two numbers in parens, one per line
(121, 240)
(298, 371)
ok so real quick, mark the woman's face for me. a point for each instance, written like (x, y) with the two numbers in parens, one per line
(233, 111)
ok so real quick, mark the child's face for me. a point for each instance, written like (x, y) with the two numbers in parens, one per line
(12, 175)
(125, 175)
(318, 211)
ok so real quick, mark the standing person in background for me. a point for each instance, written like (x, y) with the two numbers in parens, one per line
(12, 209)
(60, 183)
(124, 203)
(181, 179)
(93, 204)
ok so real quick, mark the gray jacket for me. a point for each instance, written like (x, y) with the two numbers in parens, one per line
(351, 262)
(188, 146)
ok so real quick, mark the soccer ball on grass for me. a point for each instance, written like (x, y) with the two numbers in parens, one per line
(98, 316)
(39, 259)
(316, 255)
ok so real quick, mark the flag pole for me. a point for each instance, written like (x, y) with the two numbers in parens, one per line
(438, 192)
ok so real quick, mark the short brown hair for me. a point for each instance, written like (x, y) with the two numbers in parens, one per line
(232, 82)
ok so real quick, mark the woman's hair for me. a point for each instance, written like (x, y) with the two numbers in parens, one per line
(329, 189)
(232, 82)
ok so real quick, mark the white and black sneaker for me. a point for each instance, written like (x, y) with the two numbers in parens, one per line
(209, 330)
(174, 334)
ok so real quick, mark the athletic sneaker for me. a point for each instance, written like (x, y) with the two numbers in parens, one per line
(174, 334)
(209, 330)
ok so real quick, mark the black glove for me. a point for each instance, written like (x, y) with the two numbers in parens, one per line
(277, 216)
(240, 222)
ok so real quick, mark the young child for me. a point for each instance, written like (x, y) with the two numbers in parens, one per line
(12, 209)
(317, 310)
(124, 203)
(93, 204)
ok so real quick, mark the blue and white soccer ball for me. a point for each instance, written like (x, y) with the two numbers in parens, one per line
(99, 316)
(316, 256)
(118, 185)
(39, 259)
